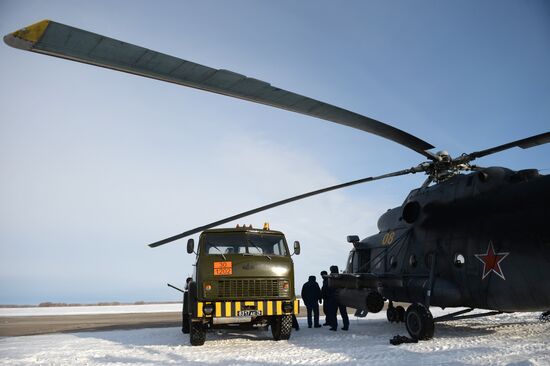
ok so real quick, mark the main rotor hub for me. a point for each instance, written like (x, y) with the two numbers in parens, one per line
(443, 166)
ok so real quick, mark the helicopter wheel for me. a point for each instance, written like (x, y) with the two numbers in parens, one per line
(400, 313)
(419, 322)
(392, 315)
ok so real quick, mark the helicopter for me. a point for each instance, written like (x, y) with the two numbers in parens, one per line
(471, 237)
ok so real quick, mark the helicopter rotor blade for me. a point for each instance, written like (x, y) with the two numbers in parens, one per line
(413, 170)
(526, 143)
(59, 40)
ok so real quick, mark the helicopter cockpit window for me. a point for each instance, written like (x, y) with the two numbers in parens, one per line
(349, 267)
(459, 260)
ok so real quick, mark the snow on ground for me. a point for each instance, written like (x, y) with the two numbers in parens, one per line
(81, 310)
(507, 339)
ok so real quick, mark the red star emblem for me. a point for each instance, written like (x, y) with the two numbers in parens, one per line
(491, 261)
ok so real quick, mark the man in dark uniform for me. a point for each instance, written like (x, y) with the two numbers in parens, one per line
(331, 305)
(311, 295)
(323, 296)
(342, 308)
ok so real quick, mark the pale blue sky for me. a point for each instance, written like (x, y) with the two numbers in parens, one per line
(95, 163)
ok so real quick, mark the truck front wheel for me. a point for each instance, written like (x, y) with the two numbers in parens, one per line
(281, 327)
(197, 333)
(185, 315)
(185, 323)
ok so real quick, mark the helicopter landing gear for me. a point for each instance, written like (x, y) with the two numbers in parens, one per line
(400, 313)
(419, 322)
(391, 314)
(375, 302)
(395, 314)
(545, 317)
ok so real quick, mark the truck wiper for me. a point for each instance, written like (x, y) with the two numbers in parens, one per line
(223, 256)
(259, 250)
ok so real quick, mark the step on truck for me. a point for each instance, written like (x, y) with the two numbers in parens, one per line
(243, 278)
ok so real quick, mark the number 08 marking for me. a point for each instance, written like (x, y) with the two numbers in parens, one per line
(388, 238)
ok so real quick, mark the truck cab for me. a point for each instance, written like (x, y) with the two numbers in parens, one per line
(243, 277)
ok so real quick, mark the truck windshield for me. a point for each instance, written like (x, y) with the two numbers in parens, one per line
(266, 244)
(245, 243)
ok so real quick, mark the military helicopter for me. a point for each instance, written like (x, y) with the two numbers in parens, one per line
(470, 236)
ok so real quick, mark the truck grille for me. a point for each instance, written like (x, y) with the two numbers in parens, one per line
(250, 289)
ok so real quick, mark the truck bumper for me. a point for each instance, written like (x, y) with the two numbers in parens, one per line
(223, 309)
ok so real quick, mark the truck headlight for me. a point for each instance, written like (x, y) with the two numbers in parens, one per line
(288, 307)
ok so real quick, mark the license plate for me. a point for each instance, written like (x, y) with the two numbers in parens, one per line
(249, 313)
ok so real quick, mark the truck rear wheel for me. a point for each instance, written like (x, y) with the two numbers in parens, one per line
(197, 333)
(281, 327)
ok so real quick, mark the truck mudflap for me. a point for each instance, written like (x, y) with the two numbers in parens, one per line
(223, 309)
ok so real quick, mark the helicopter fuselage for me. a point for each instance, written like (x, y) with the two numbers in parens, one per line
(486, 233)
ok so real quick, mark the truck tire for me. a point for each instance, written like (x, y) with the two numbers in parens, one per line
(281, 327)
(197, 333)
(185, 323)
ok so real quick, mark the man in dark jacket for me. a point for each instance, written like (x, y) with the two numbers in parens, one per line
(330, 304)
(338, 306)
(324, 296)
(311, 296)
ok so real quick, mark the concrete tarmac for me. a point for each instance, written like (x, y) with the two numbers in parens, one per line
(29, 325)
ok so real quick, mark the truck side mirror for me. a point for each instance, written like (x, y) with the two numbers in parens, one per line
(297, 247)
(352, 239)
(190, 246)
